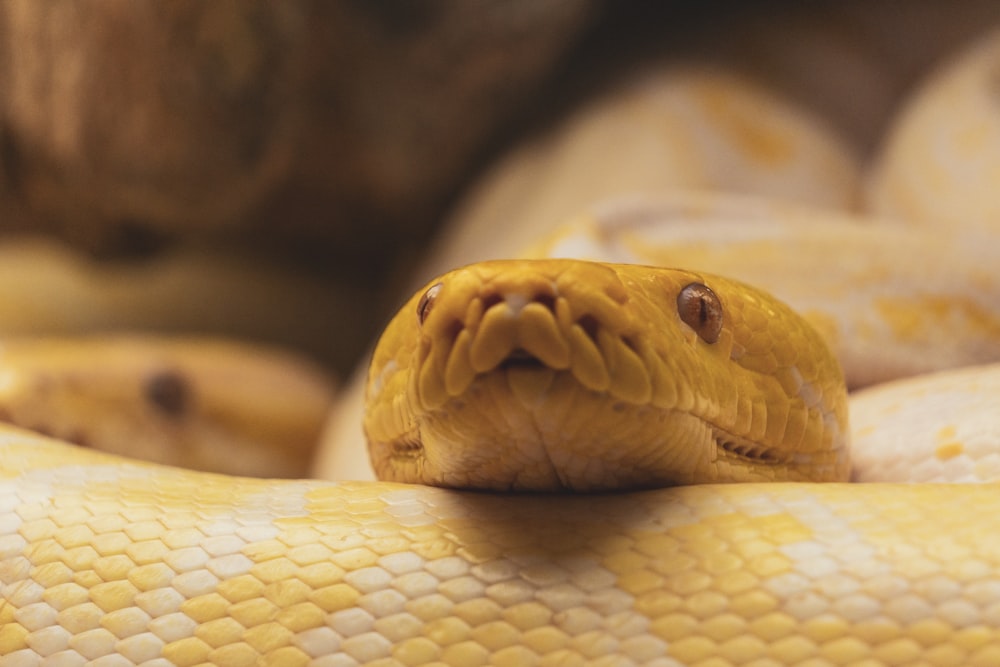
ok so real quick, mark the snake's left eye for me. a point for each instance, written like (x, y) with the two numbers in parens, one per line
(427, 302)
(701, 310)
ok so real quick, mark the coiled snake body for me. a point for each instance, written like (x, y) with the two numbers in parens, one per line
(536, 379)
(109, 562)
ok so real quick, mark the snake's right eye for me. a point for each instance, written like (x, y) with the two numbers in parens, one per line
(427, 302)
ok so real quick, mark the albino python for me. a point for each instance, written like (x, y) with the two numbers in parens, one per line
(106, 561)
(545, 377)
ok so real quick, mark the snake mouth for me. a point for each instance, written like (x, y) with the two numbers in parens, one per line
(521, 358)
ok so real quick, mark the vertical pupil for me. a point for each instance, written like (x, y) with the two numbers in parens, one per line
(700, 309)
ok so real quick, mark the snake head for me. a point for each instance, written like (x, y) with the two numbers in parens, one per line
(548, 375)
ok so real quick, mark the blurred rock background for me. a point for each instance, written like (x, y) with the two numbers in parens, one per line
(293, 160)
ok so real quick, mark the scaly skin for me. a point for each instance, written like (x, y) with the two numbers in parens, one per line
(543, 375)
(124, 563)
(939, 427)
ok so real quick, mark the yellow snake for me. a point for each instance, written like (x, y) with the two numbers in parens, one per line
(550, 374)
(110, 562)
(569, 376)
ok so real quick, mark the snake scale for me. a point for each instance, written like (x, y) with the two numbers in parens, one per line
(690, 377)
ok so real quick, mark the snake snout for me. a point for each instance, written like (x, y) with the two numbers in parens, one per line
(532, 326)
(516, 329)
(558, 331)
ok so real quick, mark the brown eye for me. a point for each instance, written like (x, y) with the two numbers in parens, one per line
(427, 302)
(701, 310)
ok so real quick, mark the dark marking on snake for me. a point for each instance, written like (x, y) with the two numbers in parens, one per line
(169, 392)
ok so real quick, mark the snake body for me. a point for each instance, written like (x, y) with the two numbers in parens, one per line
(207, 404)
(891, 301)
(110, 562)
(106, 561)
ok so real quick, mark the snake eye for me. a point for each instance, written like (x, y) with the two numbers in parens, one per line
(701, 310)
(427, 302)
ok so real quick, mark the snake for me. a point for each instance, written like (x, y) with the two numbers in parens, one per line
(560, 374)
(110, 561)
(558, 442)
